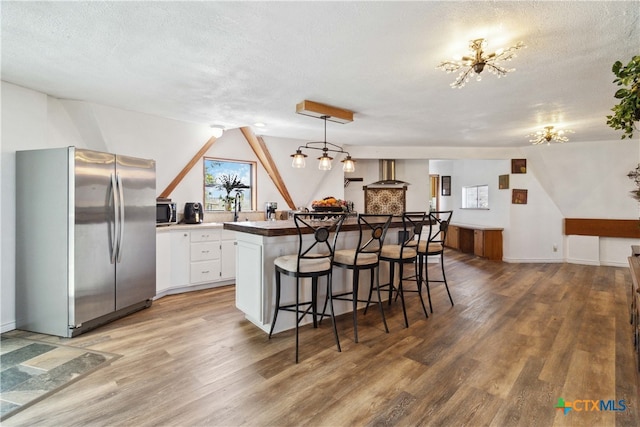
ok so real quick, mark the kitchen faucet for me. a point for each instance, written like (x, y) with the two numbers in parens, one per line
(236, 207)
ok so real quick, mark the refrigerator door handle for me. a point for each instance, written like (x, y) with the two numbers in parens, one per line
(114, 229)
(121, 225)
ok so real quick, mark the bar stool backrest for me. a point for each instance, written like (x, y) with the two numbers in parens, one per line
(373, 227)
(321, 226)
(413, 224)
(439, 225)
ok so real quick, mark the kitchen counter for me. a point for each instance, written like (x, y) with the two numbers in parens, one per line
(164, 228)
(259, 243)
(288, 227)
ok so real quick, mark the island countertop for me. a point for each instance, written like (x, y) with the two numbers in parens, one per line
(288, 227)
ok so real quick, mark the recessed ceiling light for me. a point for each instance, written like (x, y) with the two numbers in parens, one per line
(259, 125)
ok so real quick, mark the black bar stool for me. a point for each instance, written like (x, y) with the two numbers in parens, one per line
(313, 260)
(434, 246)
(365, 256)
(405, 252)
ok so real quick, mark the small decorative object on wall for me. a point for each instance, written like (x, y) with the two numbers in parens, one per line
(518, 165)
(446, 185)
(519, 197)
(503, 182)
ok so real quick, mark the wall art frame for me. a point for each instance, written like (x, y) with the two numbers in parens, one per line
(519, 197)
(446, 185)
(518, 165)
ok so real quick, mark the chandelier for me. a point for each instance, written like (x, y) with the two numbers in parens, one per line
(471, 66)
(549, 134)
(348, 164)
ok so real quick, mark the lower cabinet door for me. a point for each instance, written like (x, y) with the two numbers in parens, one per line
(205, 271)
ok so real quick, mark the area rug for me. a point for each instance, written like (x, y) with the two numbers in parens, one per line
(32, 369)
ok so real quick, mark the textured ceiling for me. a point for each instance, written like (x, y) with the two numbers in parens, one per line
(238, 63)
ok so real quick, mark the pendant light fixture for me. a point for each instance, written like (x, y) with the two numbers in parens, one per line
(325, 113)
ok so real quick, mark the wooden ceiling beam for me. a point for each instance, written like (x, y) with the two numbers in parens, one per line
(172, 186)
(318, 110)
(262, 152)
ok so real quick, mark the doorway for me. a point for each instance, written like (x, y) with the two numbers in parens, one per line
(434, 199)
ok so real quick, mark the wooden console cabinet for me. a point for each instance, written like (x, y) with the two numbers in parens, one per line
(479, 240)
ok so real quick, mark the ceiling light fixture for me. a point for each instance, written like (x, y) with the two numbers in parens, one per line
(549, 134)
(348, 164)
(216, 130)
(474, 65)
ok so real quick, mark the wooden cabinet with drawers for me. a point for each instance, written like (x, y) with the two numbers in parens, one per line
(482, 241)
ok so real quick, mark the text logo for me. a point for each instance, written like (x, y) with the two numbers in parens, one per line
(588, 405)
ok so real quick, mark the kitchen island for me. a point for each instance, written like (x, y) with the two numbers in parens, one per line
(259, 243)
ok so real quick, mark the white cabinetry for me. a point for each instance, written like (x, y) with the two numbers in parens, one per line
(205, 256)
(180, 247)
(163, 262)
(228, 255)
(194, 257)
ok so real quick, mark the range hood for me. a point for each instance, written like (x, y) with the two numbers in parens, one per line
(388, 174)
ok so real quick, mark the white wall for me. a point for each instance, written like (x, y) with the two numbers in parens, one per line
(573, 180)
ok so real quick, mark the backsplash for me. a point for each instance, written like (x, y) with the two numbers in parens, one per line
(210, 216)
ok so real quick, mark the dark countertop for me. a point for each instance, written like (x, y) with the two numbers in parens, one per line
(288, 228)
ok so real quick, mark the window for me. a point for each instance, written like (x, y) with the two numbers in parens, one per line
(226, 180)
(475, 197)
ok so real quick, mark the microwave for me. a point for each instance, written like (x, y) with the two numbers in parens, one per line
(166, 213)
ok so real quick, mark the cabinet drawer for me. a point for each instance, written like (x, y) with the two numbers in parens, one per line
(205, 235)
(205, 251)
(205, 271)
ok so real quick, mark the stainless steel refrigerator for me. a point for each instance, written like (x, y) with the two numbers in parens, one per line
(85, 238)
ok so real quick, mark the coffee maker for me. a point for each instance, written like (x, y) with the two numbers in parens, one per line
(270, 211)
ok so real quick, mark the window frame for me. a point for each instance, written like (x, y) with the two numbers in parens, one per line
(214, 198)
(469, 201)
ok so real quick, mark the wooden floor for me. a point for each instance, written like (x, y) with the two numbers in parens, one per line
(520, 337)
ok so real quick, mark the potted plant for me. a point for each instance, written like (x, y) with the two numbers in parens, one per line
(627, 112)
(228, 183)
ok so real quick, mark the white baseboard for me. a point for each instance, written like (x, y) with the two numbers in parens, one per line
(6, 327)
(533, 261)
(191, 288)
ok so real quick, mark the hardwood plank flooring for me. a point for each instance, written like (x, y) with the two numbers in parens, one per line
(520, 337)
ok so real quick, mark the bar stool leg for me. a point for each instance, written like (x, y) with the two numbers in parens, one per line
(444, 278)
(426, 281)
(333, 316)
(400, 291)
(377, 274)
(297, 313)
(418, 266)
(275, 316)
(354, 299)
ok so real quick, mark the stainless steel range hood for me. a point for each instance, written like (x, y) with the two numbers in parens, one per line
(388, 175)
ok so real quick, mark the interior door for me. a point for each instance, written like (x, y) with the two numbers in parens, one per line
(136, 255)
(91, 292)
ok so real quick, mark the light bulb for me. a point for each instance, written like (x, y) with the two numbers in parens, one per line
(298, 160)
(325, 162)
(348, 165)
